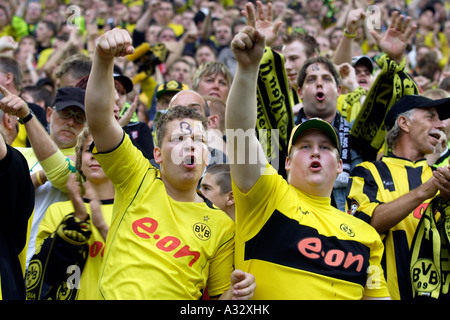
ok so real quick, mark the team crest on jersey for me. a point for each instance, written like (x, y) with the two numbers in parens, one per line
(353, 207)
(202, 231)
(346, 228)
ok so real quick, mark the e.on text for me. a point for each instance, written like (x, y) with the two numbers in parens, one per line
(146, 227)
(312, 249)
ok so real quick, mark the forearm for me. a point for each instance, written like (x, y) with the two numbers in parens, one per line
(41, 142)
(241, 109)
(343, 51)
(387, 215)
(99, 106)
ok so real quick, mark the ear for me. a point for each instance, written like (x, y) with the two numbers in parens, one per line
(230, 199)
(339, 90)
(299, 91)
(9, 79)
(340, 167)
(287, 164)
(403, 123)
(213, 121)
(8, 121)
(157, 154)
(49, 114)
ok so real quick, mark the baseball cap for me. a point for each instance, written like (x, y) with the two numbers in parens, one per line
(68, 97)
(170, 86)
(410, 102)
(125, 81)
(315, 123)
(365, 60)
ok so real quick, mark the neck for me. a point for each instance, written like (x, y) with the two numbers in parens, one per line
(406, 150)
(104, 190)
(187, 194)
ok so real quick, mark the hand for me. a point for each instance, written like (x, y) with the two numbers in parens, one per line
(242, 285)
(355, 19)
(442, 181)
(75, 195)
(394, 41)
(248, 45)
(264, 23)
(348, 76)
(114, 43)
(13, 104)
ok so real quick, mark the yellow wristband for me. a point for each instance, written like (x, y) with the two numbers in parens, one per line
(38, 178)
(348, 35)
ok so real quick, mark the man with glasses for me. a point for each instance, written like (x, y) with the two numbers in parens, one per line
(50, 154)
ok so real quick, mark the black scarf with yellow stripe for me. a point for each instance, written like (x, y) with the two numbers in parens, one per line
(430, 253)
(274, 103)
(368, 131)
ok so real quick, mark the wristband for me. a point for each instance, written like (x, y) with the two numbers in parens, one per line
(27, 118)
(38, 178)
(348, 35)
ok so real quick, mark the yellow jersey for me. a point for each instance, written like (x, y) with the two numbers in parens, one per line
(300, 247)
(52, 219)
(159, 248)
(374, 183)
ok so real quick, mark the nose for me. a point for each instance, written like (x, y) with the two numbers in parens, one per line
(440, 125)
(315, 151)
(188, 144)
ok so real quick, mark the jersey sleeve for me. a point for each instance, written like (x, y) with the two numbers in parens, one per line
(125, 166)
(255, 207)
(220, 269)
(362, 193)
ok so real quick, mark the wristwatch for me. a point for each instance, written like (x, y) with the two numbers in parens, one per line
(27, 118)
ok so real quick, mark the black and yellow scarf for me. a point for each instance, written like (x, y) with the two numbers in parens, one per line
(368, 131)
(274, 103)
(430, 253)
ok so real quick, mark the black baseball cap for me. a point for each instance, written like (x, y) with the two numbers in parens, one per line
(68, 97)
(364, 60)
(125, 81)
(410, 102)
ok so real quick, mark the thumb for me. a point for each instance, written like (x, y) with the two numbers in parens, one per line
(237, 276)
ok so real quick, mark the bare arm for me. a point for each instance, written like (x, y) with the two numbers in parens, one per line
(100, 90)
(389, 214)
(248, 48)
(345, 48)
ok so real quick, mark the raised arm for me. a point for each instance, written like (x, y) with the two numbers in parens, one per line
(100, 90)
(248, 48)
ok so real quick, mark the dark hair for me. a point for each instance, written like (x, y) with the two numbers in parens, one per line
(222, 175)
(320, 59)
(177, 112)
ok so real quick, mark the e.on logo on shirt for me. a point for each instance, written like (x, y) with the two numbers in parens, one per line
(145, 228)
(312, 248)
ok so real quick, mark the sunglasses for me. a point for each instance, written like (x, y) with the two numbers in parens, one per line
(67, 113)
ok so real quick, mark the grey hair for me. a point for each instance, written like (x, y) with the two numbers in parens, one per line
(393, 133)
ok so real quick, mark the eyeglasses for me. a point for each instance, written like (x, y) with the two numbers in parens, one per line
(67, 113)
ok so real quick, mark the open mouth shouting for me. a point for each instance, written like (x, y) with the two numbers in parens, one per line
(320, 96)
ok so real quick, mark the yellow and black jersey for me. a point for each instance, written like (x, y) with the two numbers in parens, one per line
(96, 245)
(300, 247)
(159, 248)
(374, 183)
